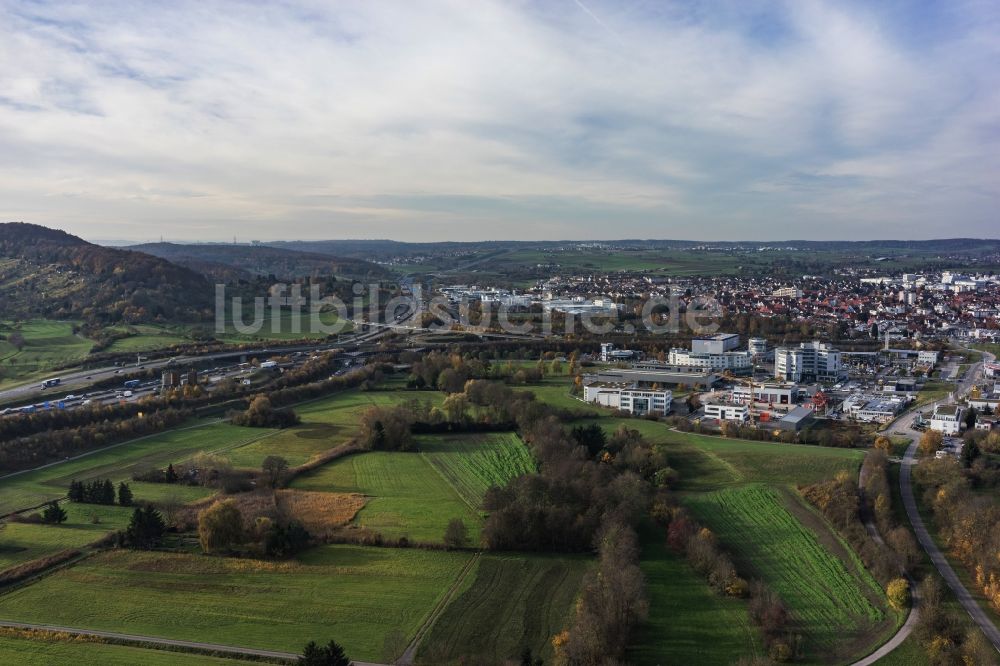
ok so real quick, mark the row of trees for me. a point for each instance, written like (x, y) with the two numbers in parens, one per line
(612, 602)
(99, 492)
(43, 447)
(685, 535)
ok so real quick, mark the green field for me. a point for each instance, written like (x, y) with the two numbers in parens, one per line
(352, 594)
(829, 604)
(473, 463)
(688, 623)
(47, 344)
(408, 496)
(45, 652)
(512, 602)
(119, 462)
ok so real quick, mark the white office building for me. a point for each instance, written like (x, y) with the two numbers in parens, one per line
(727, 411)
(810, 359)
(629, 398)
(757, 347)
(729, 360)
(947, 419)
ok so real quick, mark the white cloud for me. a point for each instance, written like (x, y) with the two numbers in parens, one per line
(499, 120)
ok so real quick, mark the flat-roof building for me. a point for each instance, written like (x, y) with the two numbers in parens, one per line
(628, 397)
(810, 359)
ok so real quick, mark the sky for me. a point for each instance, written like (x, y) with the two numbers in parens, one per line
(480, 120)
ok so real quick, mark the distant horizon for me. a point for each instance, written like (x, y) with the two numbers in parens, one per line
(262, 241)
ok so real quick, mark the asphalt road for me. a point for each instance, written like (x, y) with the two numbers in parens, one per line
(979, 616)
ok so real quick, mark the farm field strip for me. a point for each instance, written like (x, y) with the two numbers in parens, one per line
(820, 592)
(473, 463)
(513, 602)
(688, 623)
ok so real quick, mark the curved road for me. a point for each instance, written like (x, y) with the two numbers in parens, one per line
(979, 616)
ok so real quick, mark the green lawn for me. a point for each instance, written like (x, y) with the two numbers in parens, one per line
(38, 652)
(688, 623)
(408, 496)
(47, 344)
(471, 463)
(511, 602)
(828, 603)
(352, 594)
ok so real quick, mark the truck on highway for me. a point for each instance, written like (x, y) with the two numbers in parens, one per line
(132, 383)
(55, 381)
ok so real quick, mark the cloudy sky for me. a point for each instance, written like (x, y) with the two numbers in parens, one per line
(474, 119)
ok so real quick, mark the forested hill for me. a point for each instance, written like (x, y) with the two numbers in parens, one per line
(284, 264)
(47, 272)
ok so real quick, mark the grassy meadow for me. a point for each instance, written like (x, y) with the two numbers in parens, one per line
(357, 595)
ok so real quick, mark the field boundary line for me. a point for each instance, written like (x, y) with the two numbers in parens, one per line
(406, 659)
(154, 642)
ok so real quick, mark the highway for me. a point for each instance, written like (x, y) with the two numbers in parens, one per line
(81, 379)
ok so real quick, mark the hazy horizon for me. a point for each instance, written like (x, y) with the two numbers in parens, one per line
(575, 119)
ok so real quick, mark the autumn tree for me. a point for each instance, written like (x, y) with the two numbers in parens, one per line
(274, 469)
(456, 535)
(930, 442)
(220, 527)
(883, 444)
(898, 593)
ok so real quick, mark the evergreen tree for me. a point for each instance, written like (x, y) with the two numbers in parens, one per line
(107, 492)
(124, 494)
(76, 491)
(330, 654)
(170, 476)
(54, 513)
(145, 529)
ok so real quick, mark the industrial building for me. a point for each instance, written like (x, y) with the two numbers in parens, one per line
(716, 344)
(648, 374)
(871, 408)
(774, 393)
